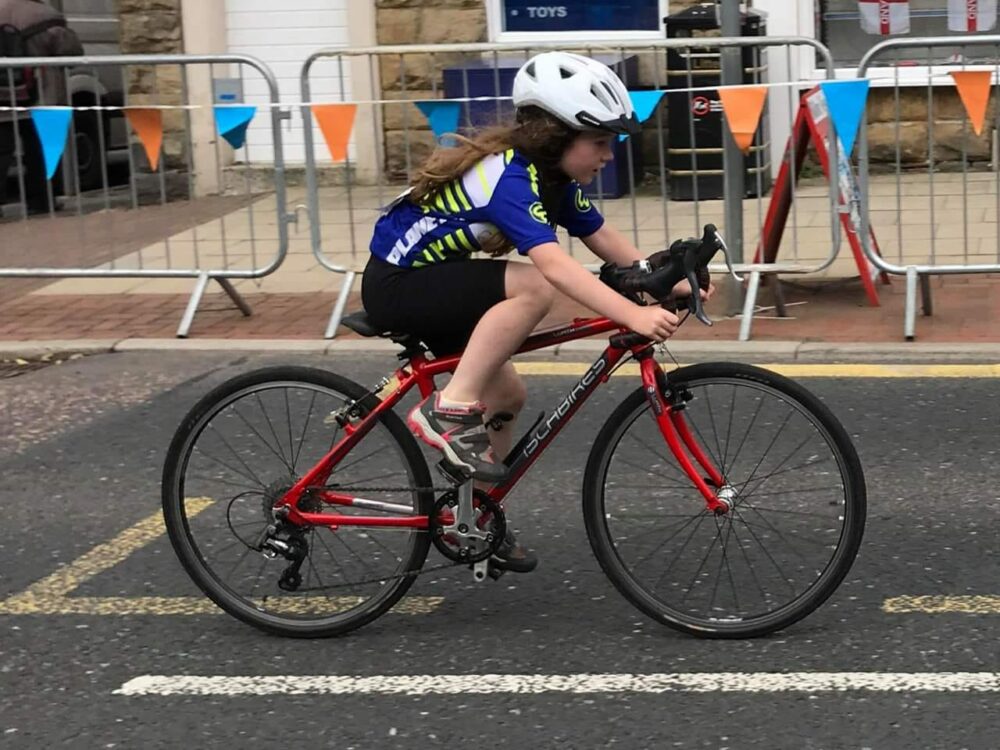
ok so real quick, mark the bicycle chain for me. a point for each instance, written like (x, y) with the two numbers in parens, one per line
(382, 489)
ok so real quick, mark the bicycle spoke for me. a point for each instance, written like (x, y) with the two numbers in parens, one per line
(767, 554)
(729, 431)
(251, 477)
(291, 444)
(237, 456)
(715, 432)
(358, 460)
(708, 552)
(753, 421)
(749, 564)
(305, 427)
(267, 445)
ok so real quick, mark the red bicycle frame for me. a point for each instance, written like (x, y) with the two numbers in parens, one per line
(420, 372)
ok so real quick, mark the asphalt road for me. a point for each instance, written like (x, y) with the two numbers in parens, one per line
(81, 451)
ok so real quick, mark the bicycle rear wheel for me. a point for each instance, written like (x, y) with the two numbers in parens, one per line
(239, 450)
(794, 528)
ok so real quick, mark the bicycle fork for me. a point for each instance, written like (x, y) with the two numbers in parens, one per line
(669, 416)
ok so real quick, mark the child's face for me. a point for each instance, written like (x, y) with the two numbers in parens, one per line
(586, 155)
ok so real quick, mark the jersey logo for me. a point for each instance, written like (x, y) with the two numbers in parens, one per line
(582, 201)
(537, 212)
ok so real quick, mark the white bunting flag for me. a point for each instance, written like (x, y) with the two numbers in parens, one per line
(884, 17)
(972, 15)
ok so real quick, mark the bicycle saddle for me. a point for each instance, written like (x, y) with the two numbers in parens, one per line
(362, 324)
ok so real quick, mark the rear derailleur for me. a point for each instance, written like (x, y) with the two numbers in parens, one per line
(279, 540)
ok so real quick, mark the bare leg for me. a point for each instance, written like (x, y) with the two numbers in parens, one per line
(500, 332)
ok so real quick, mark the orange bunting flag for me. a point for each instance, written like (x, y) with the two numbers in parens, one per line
(336, 121)
(974, 89)
(743, 105)
(148, 125)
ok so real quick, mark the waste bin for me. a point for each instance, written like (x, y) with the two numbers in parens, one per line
(482, 78)
(695, 119)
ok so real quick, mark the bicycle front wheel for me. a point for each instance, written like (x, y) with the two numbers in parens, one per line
(797, 516)
(239, 450)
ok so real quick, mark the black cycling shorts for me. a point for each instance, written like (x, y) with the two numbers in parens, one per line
(441, 303)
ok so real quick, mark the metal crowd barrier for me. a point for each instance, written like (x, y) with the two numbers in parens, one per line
(643, 201)
(212, 219)
(960, 174)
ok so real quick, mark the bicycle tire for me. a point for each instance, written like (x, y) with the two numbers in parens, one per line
(192, 556)
(598, 518)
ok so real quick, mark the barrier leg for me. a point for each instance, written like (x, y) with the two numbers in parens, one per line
(192, 306)
(235, 296)
(338, 309)
(910, 316)
(749, 302)
(927, 301)
(779, 296)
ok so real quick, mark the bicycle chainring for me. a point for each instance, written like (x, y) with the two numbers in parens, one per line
(467, 545)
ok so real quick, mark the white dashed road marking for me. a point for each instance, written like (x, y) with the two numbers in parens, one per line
(724, 682)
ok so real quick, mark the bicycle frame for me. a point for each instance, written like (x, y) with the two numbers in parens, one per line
(420, 372)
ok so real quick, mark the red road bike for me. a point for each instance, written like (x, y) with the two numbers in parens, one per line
(721, 499)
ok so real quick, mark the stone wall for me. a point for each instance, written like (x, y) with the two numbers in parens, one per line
(951, 129)
(415, 76)
(150, 27)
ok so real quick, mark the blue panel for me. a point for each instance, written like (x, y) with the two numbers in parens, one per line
(581, 15)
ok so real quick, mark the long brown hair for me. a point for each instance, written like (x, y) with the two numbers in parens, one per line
(538, 135)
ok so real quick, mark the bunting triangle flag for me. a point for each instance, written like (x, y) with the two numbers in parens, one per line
(974, 90)
(644, 103)
(846, 102)
(442, 115)
(336, 121)
(52, 125)
(743, 106)
(232, 123)
(148, 125)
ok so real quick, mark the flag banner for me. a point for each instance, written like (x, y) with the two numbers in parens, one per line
(644, 103)
(972, 15)
(336, 121)
(52, 126)
(232, 123)
(846, 102)
(442, 115)
(974, 91)
(742, 106)
(148, 125)
(884, 17)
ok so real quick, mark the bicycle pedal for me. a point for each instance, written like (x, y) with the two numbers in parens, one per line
(452, 473)
(480, 570)
(494, 572)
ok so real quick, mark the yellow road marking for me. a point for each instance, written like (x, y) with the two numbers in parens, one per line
(970, 605)
(50, 596)
(578, 369)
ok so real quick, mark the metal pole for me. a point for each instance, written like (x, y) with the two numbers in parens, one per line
(732, 75)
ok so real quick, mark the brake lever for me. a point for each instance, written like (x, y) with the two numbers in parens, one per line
(725, 254)
(691, 274)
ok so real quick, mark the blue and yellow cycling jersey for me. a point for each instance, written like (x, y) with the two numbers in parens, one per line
(499, 194)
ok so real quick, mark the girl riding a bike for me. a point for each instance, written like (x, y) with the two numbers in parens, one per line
(505, 190)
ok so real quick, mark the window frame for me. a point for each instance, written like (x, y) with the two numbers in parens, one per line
(494, 25)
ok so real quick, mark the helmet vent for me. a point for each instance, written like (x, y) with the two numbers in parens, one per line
(566, 73)
(611, 92)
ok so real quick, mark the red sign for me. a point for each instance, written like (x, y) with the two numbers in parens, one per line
(700, 106)
(812, 125)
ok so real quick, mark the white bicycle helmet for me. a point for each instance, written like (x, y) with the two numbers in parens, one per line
(583, 93)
